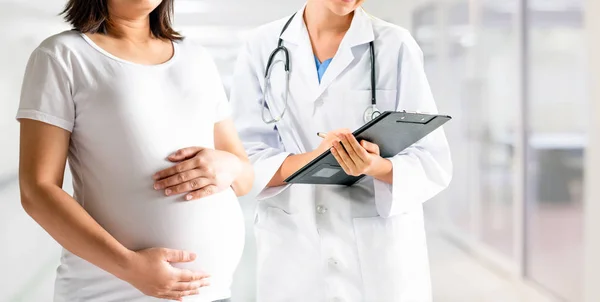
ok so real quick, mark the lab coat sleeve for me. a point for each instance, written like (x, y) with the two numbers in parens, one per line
(425, 169)
(261, 140)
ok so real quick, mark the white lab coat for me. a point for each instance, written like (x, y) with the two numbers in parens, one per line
(334, 243)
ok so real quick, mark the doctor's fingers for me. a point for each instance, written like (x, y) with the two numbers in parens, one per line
(350, 166)
(335, 135)
(189, 186)
(357, 153)
(343, 153)
(341, 161)
(350, 157)
(340, 131)
(370, 147)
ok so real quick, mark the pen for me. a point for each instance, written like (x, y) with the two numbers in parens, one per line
(321, 134)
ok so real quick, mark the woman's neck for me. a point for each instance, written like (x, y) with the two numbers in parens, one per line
(132, 29)
(320, 20)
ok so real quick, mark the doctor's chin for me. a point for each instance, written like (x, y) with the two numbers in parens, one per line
(300, 151)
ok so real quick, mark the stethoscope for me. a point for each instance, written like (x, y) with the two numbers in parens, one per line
(370, 113)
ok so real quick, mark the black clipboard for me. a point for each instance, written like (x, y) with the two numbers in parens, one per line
(392, 131)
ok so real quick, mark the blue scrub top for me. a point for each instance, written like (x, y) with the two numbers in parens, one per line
(322, 67)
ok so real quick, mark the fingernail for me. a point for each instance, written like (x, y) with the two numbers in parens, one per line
(167, 191)
(188, 197)
(156, 187)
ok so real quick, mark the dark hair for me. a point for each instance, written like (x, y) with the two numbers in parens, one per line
(92, 16)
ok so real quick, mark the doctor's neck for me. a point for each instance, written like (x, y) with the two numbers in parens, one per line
(320, 19)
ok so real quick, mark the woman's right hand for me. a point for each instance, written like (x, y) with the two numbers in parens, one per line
(151, 272)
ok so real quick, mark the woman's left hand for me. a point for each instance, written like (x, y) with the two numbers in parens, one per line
(199, 172)
(358, 158)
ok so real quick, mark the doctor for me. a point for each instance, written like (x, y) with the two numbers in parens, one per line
(335, 243)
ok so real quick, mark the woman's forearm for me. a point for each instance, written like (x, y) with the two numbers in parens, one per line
(73, 228)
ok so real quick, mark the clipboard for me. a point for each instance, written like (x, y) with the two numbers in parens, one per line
(392, 131)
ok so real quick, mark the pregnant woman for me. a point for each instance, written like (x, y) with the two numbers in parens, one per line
(141, 116)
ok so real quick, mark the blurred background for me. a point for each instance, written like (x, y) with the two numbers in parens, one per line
(515, 225)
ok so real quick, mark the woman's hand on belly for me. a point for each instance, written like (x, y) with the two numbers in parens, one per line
(199, 172)
(150, 271)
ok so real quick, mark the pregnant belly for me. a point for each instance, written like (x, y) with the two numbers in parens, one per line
(211, 227)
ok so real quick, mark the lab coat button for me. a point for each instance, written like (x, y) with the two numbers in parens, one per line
(321, 209)
(332, 262)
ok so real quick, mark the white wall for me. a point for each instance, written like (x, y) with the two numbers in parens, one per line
(22, 26)
(28, 255)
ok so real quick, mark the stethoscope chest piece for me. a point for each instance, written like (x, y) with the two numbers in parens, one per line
(371, 113)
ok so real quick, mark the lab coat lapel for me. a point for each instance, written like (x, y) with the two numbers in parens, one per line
(359, 33)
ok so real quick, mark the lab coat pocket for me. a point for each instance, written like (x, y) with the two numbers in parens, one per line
(283, 250)
(271, 235)
(393, 258)
(268, 223)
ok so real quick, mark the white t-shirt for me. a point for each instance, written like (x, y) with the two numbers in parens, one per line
(125, 119)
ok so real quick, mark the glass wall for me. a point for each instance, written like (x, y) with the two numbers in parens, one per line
(558, 102)
(473, 54)
(472, 60)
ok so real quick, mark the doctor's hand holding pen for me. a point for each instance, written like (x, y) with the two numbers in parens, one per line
(356, 158)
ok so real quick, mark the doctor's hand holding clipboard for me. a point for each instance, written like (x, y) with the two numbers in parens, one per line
(357, 158)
